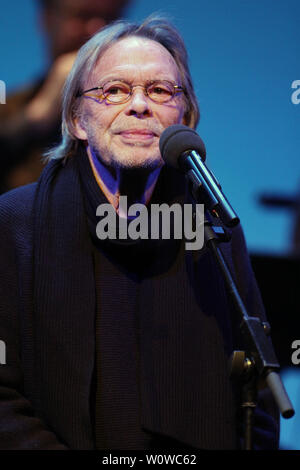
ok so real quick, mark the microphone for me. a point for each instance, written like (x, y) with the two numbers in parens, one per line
(182, 148)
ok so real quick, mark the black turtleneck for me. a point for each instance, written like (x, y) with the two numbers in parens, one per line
(120, 265)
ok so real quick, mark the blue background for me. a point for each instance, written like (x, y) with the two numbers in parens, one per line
(244, 56)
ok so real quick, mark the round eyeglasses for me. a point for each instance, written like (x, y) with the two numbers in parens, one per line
(118, 91)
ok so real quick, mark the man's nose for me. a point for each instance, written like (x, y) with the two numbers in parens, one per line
(139, 103)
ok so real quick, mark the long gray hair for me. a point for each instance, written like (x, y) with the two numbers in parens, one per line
(154, 28)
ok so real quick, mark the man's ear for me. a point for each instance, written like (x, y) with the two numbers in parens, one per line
(79, 129)
(184, 119)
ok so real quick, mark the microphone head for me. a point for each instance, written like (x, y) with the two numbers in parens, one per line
(176, 140)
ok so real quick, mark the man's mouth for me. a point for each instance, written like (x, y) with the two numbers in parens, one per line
(137, 134)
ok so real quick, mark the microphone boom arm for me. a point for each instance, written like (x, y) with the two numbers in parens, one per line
(205, 183)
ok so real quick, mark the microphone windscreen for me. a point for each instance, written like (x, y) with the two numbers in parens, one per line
(176, 140)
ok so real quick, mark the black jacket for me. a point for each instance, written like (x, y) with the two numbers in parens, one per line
(48, 317)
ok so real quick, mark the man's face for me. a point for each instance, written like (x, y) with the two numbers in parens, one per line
(127, 135)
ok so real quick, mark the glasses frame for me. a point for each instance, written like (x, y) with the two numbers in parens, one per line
(176, 89)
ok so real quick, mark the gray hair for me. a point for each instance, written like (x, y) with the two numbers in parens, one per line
(154, 28)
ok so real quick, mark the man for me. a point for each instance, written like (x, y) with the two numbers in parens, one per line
(117, 344)
(30, 121)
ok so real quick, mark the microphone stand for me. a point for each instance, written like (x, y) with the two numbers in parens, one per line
(258, 361)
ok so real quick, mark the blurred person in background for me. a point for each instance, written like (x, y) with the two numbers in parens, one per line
(30, 121)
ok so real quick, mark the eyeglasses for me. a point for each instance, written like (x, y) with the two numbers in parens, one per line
(119, 91)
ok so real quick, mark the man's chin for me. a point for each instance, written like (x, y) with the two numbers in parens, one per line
(149, 164)
(137, 158)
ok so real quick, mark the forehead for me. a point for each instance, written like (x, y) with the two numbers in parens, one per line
(136, 58)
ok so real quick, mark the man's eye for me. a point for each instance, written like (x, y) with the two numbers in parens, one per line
(160, 90)
(116, 90)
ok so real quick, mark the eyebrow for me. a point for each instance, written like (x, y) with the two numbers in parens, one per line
(113, 78)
